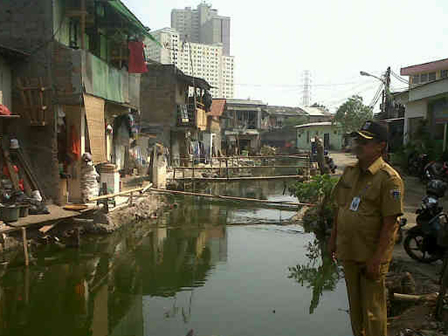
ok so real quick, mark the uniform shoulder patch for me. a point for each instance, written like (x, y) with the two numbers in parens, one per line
(396, 194)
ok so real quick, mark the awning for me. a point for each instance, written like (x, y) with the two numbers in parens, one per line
(96, 127)
(121, 9)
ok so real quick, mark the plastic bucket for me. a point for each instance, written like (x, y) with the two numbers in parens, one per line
(9, 214)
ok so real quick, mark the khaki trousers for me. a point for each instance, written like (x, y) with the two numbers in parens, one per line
(367, 299)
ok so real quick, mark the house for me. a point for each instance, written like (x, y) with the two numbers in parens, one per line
(426, 99)
(280, 127)
(214, 127)
(241, 125)
(330, 133)
(78, 78)
(173, 110)
(317, 114)
(278, 115)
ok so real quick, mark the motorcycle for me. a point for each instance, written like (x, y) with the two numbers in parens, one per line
(329, 161)
(417, 163)
(436, 170)
(422, 241)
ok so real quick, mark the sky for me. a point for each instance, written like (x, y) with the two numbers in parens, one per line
(273, 42)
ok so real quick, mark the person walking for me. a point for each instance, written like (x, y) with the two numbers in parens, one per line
(369, 200)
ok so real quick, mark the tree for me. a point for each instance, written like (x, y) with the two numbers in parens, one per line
(352, 114)
(322, 107)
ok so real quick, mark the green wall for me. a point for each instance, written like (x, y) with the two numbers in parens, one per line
(304, 140)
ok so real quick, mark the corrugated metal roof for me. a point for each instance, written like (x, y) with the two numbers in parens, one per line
(285, 110)
(217, 107)
(315, 111)
(244, 102)
(243, 108)
(323, 123)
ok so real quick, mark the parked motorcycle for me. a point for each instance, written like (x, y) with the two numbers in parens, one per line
(329, 161)
(421, 242)
(436, 170)
(417, 163)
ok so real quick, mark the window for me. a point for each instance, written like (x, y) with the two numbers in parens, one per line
(415, 79)
(432, 76)
(423, 78)
(444, 73)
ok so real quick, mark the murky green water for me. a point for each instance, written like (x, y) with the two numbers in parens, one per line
(190, 272)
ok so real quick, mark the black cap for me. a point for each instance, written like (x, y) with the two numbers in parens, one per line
(372, 130)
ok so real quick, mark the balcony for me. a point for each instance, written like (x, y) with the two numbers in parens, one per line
(78, 69)
(188, 116)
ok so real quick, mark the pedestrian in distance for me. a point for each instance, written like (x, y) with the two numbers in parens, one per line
(369, 200)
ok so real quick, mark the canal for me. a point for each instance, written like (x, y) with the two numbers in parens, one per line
(217, 268)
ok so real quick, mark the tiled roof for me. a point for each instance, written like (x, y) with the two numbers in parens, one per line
(425, 67)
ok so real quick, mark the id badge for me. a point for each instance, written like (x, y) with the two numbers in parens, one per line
(355, 204)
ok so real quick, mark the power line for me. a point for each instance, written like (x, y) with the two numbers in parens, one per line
(399, 78)
(295, 86)
(377, 95)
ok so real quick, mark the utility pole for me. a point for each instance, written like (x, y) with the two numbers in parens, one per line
(386, 94)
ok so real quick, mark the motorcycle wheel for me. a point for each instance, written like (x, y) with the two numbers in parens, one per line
(413, 244)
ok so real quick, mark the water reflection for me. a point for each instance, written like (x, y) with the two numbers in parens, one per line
(187, 271)
(319, 272)
(99, 289)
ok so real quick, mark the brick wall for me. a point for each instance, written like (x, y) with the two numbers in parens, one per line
(28, 26)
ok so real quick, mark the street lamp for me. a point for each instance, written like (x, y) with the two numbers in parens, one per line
(386, 82)
(363, 73)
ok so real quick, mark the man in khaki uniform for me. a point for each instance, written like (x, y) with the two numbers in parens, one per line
(369, 198)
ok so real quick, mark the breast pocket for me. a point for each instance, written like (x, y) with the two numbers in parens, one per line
(371, 200)
(343, 195)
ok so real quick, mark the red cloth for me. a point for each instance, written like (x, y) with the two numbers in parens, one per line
(4, 110)
(137, 62)
(75, 143)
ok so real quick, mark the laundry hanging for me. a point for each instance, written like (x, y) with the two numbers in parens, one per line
(137, 63)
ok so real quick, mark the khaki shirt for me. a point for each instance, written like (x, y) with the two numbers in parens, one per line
(380, 189)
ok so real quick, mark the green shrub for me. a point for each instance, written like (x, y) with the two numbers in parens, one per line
(316, 191)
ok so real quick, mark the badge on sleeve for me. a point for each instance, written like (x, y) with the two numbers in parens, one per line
(395, 194)
(355, 204)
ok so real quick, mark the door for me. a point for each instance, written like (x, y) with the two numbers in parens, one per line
(327, 140)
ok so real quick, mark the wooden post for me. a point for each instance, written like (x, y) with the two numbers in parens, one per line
(106, 201)
(131, 198)
(227, 167)
(174, 173)
(25, 247)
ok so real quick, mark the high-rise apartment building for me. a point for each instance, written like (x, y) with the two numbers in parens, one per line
(206, 61)
(202, 25)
